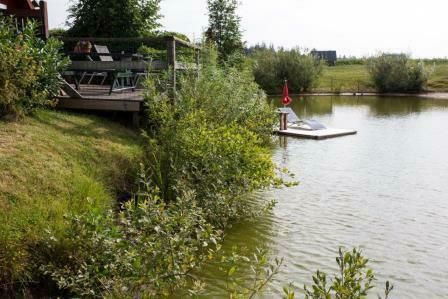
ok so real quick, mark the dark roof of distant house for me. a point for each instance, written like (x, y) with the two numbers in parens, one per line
(326, 51)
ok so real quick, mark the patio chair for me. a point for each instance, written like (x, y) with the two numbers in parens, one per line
(93, 74)
(138, 75)
(118, 76)
(103, 50)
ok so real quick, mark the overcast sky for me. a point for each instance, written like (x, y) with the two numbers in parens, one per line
(352, 27)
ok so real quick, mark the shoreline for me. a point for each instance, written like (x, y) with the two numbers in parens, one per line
(427, 95)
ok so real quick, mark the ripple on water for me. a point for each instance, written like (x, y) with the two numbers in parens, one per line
(383, 190)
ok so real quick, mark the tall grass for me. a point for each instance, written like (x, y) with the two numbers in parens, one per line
(52, 164)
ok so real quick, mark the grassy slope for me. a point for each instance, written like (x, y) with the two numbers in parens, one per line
(49, 165)
(345, 78)
(439, 78)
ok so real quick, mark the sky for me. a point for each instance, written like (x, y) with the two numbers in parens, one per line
(351, 27)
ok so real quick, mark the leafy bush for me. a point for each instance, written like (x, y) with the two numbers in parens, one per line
(29, 70)
(212, 140)
(58, 32)
(272, 67)
(354, 280)
(149, 251)
(397, 73)
(247, 276)
(204, 154)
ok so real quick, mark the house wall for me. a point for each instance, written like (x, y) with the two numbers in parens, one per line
(23, 10)
(17, 4)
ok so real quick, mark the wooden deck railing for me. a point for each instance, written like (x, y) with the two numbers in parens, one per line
(169, 62)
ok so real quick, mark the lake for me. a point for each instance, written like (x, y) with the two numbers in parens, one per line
(384, 190)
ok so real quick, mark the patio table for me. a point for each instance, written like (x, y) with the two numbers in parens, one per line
(120, 71)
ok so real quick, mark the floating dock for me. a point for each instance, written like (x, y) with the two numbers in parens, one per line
(316, 134)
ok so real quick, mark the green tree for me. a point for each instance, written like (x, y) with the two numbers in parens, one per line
(119, 18)
(397, 73)
(271, 67)
(224, 27)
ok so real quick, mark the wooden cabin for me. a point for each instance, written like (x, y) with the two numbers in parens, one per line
(23, 10)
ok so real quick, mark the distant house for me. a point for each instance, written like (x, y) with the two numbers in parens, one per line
(23, 10)
(330, 57)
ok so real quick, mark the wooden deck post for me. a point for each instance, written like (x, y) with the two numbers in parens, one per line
(44, 19)
(171, 59)
(198, 61)
(283, 121)
(136, 119)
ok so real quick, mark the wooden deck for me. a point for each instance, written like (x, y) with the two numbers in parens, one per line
(96, 97)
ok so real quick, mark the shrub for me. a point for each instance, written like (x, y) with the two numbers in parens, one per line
(397, 73)
(212, 140)
(29, 70)
(58, 32)
(354, 280)
(272, 67)
(206, 151)
(149, 251)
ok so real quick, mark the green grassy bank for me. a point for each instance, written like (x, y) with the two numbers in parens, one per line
(351, 78)
(53, 163)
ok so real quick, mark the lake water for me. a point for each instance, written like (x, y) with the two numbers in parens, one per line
(384, 190)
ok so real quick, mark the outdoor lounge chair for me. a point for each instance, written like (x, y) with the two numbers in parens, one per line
(294, 122)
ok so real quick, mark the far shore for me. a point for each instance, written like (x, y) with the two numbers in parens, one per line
(429, 95)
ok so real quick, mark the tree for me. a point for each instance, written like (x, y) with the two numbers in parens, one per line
(224, 27)
(271, 67)
(397, 73)
(118, 18)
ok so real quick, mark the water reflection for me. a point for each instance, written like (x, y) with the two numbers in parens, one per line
(312, 106)
(384, 189)
(256, 234)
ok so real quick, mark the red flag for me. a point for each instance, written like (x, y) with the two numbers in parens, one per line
(286, 99)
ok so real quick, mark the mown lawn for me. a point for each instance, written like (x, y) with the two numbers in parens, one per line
(344, 78)
(353, 78)
(54, 163)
